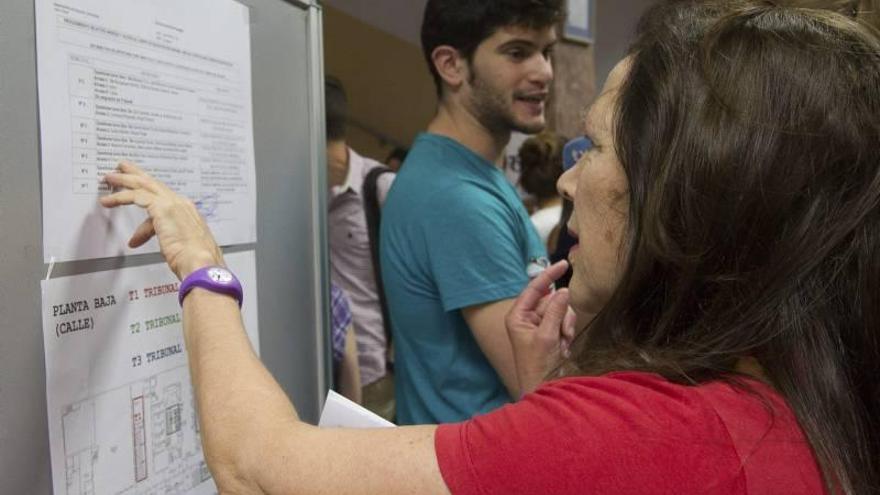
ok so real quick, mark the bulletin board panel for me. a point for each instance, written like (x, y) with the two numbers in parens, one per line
(290, 250)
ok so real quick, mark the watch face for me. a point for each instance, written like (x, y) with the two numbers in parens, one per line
(220, 275)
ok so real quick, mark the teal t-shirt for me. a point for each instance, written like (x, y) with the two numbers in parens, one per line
(454, 234)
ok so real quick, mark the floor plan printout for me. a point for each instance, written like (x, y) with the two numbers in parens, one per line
(163, 83)
(122, 418)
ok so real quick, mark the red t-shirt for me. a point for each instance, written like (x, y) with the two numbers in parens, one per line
(631, 433)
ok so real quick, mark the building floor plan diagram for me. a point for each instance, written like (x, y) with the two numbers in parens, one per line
(122, 416)
(155, 450)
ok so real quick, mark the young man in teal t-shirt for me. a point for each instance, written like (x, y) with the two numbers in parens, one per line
(456, 242)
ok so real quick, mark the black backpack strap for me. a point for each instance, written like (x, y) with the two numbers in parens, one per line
(373, 214)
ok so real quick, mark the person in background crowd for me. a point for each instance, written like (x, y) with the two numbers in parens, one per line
(541, 161)
(457, 244)
(729, 220)
(396, 158)
(351, 265)
(343, 346)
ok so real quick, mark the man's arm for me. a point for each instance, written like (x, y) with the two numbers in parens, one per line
(486, 322)
(477, 263)
(349, 372)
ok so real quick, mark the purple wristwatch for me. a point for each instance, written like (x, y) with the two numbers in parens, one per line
(214, 279)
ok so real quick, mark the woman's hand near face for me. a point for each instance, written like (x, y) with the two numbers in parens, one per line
(185, 240)
(541, 327)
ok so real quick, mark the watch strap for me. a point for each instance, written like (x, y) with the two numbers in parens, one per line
(213, 278)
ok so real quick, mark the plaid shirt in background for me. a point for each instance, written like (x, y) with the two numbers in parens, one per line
(340, 320)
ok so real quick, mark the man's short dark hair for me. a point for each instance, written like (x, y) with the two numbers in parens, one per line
(336, 108)
(464, 24)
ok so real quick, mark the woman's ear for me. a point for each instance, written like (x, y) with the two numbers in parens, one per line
(450, 65)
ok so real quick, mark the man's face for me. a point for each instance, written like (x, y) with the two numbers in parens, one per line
(509, 80)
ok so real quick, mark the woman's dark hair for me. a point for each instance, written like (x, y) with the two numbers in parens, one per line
(464, 24)
(869, 12)
(540, 159)
(750, 137)
(849, 8)
(864, 10)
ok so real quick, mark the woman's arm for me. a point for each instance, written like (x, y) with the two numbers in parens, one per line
(253, 439)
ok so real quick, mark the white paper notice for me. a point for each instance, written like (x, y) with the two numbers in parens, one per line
(163, 83)
(122, 418)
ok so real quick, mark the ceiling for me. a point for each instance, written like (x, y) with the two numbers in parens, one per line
(402, 19)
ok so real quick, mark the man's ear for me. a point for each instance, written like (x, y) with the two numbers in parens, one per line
(451, 66)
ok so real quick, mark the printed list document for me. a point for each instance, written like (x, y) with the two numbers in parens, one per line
(121, 411)
(163, 83)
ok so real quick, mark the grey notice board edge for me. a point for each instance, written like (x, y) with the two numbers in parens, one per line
(291, 249)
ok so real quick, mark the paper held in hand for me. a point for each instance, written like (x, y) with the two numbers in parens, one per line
(341, 412)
